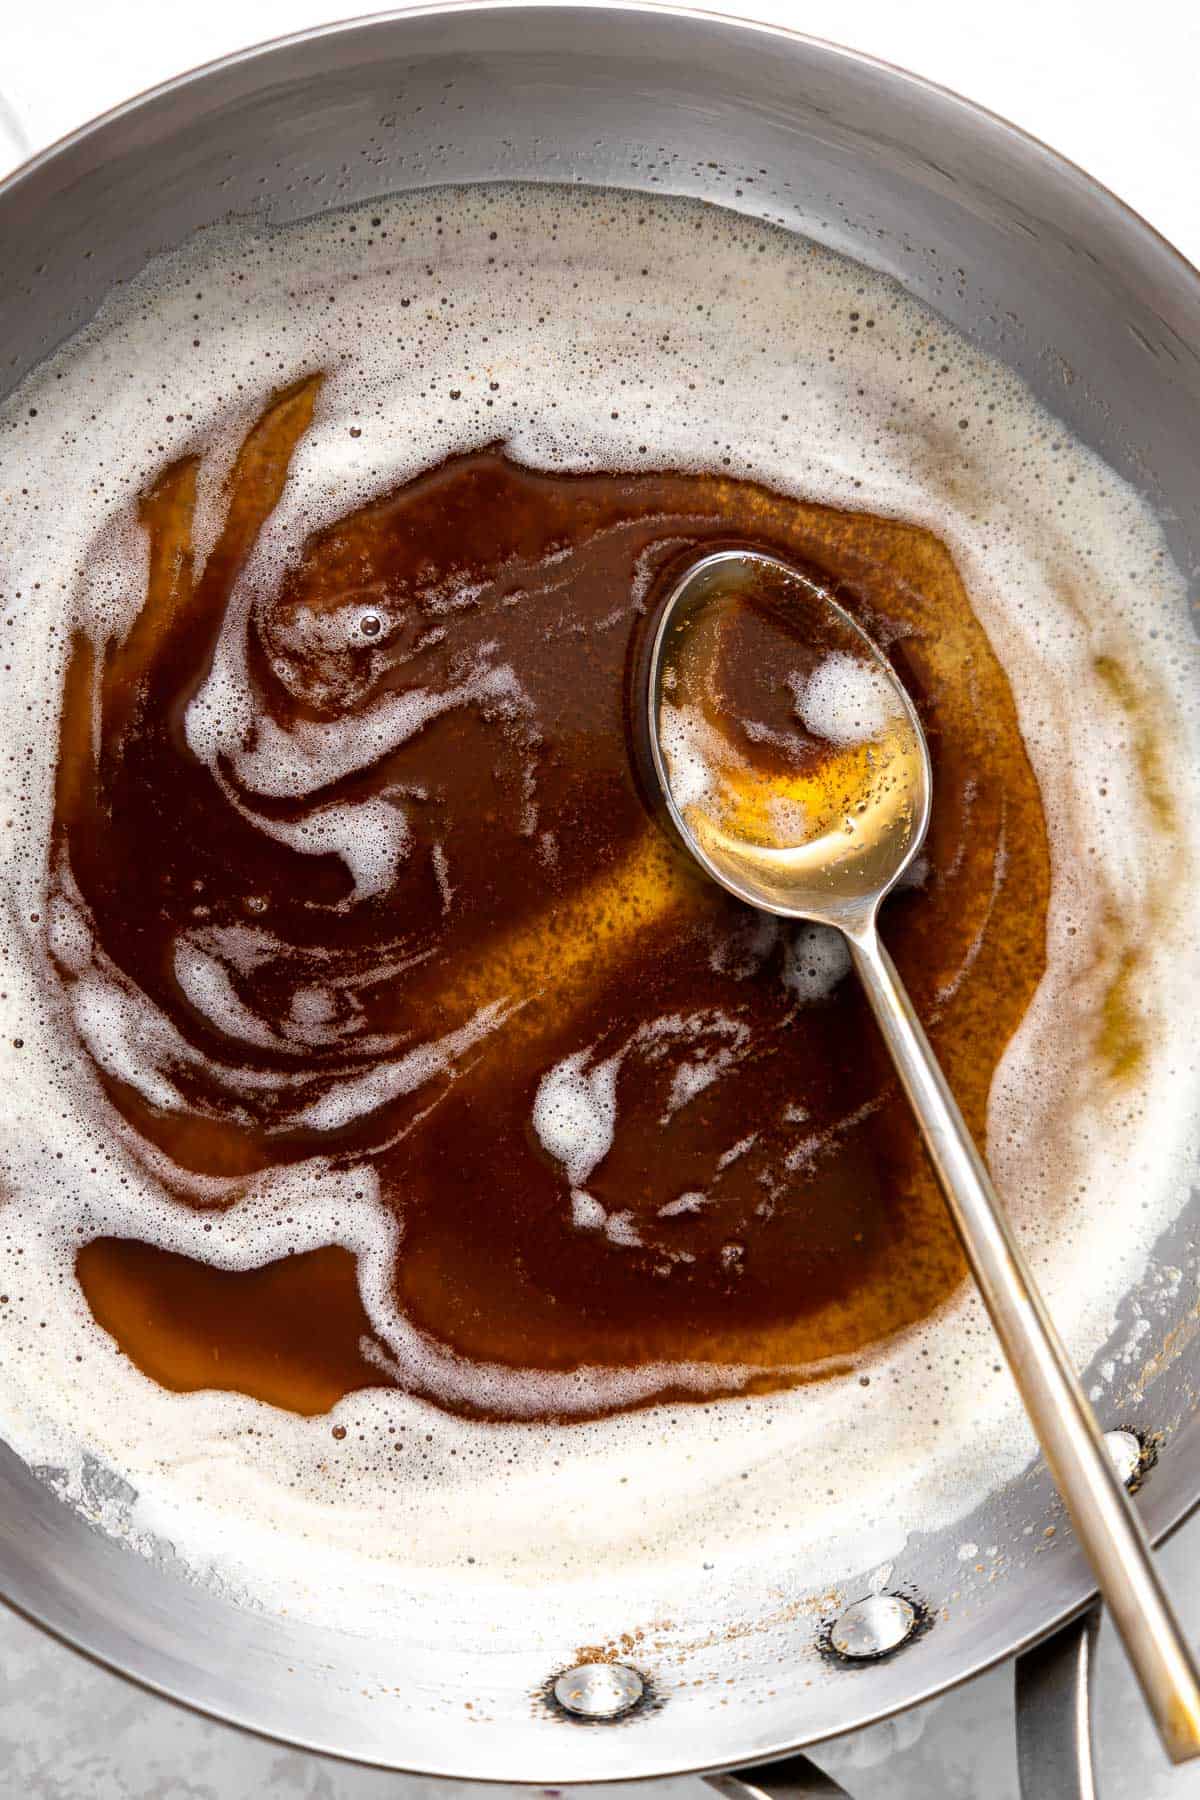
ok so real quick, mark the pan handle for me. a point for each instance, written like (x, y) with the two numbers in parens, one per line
(1054, 1714)
(795, 1778)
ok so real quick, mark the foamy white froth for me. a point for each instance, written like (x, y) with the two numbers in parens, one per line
(575, 1119)
(589, 331)
(845, 700)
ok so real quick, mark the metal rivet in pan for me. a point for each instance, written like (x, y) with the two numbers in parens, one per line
(873, 1626)
(599, 1690)
(1125, 1448)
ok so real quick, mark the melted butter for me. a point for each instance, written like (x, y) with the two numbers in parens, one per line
(548, 319)
(1121, 1047)
(1147, 750)
(1120, 1041)
(807, 807)
(501, 902)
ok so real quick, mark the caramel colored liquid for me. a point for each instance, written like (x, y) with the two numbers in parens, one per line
(535, 877)
(793, 762)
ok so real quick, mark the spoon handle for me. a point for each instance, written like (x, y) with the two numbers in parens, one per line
(1094, 1495)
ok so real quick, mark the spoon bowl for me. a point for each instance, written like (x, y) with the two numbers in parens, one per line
(859, 801)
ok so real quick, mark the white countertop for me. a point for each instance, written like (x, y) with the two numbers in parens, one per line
(1108, 86)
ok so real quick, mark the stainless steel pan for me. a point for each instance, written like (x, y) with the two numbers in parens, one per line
(1027, 256)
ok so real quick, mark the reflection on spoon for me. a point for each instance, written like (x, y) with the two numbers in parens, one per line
(794, 759)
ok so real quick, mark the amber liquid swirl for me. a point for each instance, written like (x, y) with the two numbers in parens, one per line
(533, 879)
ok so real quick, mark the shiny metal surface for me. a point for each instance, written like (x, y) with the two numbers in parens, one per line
(599, 1690)
(873, 1626)
(1100, 1509)
(1054, 1725)
(794, 1779)
(838, 877)
(1124, 1447)
(1017, 249)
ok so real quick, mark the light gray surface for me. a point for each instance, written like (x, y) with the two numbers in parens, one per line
(70, 1731)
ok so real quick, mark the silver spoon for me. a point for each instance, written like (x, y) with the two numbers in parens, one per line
(829, 852)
